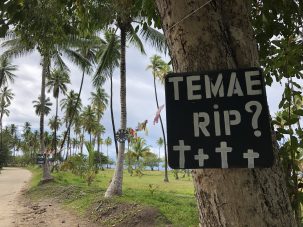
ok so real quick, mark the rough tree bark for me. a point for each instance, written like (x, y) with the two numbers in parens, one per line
(45, 69)
(220, 36)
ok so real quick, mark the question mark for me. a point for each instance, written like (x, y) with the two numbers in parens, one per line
(254, 121)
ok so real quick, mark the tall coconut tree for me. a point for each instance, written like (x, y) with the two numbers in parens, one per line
(49, 35)
(108, 57)
(124, 13)
(159, 69)
(6, 71)
(98, 131)
(13, 133)
(160, 143)
(99, 100)
(42, 108)
(57, 81)
(54, 124)
(6, 95)
(108, 142)
(83, 52)
(89, 120)
(71, 105)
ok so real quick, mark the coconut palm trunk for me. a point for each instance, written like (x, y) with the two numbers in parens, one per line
(56, 120)
(163, 133)
(45, 70)
(1, 131)
(112, 113)
(115, 187)
(220, 36)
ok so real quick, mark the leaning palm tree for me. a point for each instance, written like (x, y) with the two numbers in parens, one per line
(6, 71)
(159, 69)
(57, 81)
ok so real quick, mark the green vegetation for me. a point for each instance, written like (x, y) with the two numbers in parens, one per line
(174, 200)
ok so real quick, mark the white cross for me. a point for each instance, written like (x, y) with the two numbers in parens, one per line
(223, 149)
(201, 157)
(251, 155)
(181, 148)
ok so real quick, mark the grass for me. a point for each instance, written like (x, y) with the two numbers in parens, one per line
(175, 200)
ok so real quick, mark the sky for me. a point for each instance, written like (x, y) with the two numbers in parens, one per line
(141, 104)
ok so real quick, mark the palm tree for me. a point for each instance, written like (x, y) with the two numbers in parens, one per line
(54, 123)
(84, 55)
(98, 131)
(89, 120)
(160, 142)
(159, 69)
(71, 106)
(99, 103)
(50, 35)
(13, 133)
(108, 59)
(57, 81)
(6, 71)
(139, 149)
(78, 129)
(40, 108)
(108, 142)
(124, 13)
(6, 95)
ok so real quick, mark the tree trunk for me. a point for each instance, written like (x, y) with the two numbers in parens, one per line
(107, 156)
(220, 36)
(115, 187)
(163, 133)
(45, 69)
(98, 143)
(112, 113)
(1, 142)
(56, 119)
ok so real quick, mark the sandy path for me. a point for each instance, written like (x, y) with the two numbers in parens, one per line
(12, 180)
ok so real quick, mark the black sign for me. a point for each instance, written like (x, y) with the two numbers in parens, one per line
(218, 119)
(40, 159)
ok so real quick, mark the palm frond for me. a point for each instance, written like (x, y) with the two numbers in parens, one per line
(108, 58)
(59, 63)
(77, 58)
(135, 40)
(16, 48)
(154, 37)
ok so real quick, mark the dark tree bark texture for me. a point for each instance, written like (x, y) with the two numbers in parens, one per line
(220, 36)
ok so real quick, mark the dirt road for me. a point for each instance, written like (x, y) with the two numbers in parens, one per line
(16, 210)
(12, 180)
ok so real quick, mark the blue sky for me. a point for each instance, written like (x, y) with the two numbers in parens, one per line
(140, 94)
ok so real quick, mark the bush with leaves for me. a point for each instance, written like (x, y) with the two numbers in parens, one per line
(83, 166)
